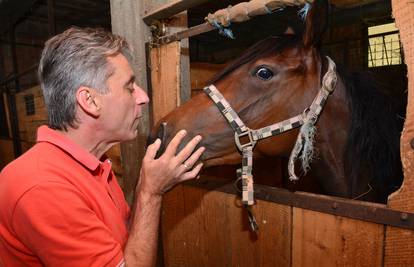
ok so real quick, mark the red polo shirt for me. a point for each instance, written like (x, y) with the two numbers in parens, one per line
(61, 206)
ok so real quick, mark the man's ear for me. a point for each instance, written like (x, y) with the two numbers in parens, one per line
(88, 100)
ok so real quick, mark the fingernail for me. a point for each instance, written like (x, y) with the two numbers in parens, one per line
(198, 137)
(183, 132)
(158, 141)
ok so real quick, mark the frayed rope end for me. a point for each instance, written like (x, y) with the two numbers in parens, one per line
(303, 13)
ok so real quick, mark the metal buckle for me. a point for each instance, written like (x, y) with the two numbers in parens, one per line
(251, 142)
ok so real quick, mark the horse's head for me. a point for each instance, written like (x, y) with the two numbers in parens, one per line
(272, 81)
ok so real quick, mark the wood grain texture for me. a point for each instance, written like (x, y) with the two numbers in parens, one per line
(209, 228)
(399, 247)
(165, 79)
(326, 240)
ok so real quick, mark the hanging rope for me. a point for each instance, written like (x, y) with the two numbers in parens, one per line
(244, 11)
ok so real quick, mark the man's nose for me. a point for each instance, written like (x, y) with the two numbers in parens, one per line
(141, 96)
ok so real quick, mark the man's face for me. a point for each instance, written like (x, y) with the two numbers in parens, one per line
(122, 105)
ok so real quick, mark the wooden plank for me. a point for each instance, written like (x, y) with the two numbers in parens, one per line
(196, 232)
(399, 248)
(165, 79)
(6, 109)
(170, 9)
(328, 240)
(359, 210)
(174, 241)
(209, 228)
(179, 22)
(270, 246)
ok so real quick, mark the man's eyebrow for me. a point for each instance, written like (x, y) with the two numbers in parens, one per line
(130, 80)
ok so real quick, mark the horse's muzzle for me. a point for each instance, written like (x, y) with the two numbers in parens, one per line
(161, 133)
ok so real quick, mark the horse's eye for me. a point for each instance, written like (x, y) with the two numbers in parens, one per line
(264, 74)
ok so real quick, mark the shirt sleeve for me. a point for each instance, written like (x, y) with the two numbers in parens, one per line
(55, 222)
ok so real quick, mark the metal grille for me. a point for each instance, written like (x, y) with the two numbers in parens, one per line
(29, 103)
(384, 50)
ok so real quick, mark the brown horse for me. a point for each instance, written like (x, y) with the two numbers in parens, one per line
(356, 144)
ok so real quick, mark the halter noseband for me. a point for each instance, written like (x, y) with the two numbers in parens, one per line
(308, 117)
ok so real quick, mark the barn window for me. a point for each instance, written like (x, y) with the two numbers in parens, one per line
(29, 103)
(384, 45)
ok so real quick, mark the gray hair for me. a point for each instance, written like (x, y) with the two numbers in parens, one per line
(77, 57)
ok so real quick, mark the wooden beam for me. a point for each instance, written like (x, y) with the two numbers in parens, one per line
(170, 9)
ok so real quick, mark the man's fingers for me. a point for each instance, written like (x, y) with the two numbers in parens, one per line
(152, 149)
(191, 174)
(175, 142)
(188, 149)
(193, 159)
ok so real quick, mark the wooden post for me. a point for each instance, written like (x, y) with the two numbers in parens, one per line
(126, 21)
(399, 249)
(17, 147)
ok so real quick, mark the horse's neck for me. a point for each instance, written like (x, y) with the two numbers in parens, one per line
(333, 128)
(332, 134)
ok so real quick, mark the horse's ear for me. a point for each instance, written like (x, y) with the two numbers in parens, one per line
(316, 22)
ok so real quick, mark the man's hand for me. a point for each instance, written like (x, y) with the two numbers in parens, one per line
(160, 175)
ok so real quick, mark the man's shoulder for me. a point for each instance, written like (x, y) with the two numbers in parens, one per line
(36, 160)
(42, 163)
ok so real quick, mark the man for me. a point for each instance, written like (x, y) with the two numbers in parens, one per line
(60, 203)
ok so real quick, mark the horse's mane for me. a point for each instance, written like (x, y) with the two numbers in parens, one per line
(372, 147)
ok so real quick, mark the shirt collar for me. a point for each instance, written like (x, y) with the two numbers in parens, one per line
(46, 134)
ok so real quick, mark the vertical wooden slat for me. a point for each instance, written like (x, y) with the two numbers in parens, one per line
(209, 228)
(6, 110)
(399, 247)
(326, 240)
(270, 246)
(165, 79)
(126, 21)
(195, 231)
